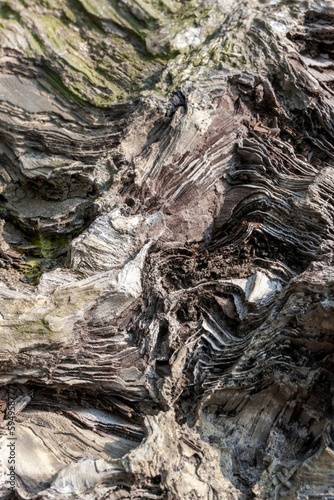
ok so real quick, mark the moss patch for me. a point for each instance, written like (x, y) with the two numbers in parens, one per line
(29, 328)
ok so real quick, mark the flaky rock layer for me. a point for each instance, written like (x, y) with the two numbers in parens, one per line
(166, 251)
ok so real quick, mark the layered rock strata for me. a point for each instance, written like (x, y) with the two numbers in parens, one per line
(166, 249)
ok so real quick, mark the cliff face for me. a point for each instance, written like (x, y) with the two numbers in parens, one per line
(166, 251)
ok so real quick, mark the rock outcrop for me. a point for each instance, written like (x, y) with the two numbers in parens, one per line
(166, 249)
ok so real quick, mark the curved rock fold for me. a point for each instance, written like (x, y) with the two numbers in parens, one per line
(166, 249)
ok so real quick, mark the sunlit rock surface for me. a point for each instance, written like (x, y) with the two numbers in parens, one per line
(166, 249)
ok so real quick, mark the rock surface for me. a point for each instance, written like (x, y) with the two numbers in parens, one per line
(166, 249)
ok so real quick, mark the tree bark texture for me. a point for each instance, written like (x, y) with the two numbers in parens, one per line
(166, 249)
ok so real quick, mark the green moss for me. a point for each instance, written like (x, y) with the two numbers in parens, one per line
(69, 14)
(50, 247)
(37, 47)
(29, 328)
(57, 32)
(56, 81)
(33, 271)
(46, 252)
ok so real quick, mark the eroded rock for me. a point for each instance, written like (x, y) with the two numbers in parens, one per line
(166, 251)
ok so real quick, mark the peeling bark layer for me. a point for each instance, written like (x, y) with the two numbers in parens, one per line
(166, 251)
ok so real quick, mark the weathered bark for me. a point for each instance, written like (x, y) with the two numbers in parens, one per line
(167, 280)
